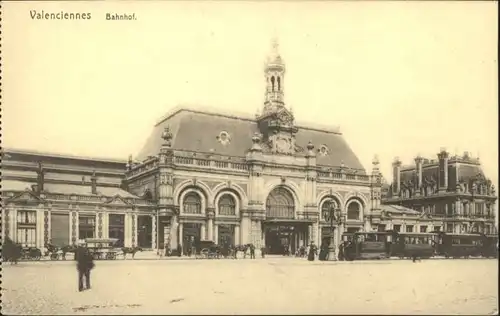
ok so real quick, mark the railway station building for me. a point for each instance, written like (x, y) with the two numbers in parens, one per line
(265, 179)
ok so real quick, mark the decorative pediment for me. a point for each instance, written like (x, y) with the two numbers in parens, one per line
(26, 196)
(284, 117)
(385, 214)
(118, 201)
(426, 215)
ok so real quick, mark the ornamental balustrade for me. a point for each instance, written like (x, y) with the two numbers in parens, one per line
(238, 164)
(145, 166)
(211, 163)
(342, 176)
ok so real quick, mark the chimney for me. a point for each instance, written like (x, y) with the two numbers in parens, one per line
(40, 179)
(418, 168)
(443, 169)
(375, 166)
(396, 176)
(129, 163)
(93, 180)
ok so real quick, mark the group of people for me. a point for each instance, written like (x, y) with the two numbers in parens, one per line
(324, 252)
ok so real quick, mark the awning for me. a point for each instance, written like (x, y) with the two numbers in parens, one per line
(288, 221)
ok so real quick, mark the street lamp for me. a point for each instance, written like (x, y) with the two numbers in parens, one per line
(143, 229)
(158, 232)
(332, 215)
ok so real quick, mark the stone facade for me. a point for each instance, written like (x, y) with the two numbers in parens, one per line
(205, 175)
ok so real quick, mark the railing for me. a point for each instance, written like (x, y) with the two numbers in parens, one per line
(148, 165)
(471, 216)
(211, 163)
(343, 176)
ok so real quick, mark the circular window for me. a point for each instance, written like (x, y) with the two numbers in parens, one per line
(323, 150)
(224, 138)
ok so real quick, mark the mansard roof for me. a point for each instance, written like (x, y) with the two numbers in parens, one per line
(66, 189)
(63, 174)
(196, 129)
(466, 169)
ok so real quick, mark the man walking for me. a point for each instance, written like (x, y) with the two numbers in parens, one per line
(84, 264)
(252, 251)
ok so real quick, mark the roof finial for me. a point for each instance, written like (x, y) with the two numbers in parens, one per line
(275, 44)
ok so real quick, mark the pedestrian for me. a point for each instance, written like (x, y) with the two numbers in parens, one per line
(341, 251)
(312, 252)
(323, 252)
(252, 251)
(84, 264)
(263, 252)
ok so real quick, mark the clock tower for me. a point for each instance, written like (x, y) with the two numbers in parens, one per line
(277, 124)
(274, 71)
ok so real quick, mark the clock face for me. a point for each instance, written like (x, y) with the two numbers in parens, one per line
(282, 145)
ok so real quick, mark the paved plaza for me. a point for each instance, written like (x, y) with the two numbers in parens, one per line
(260, 286)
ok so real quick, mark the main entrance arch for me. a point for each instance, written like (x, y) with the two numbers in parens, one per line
(280, 204)
(282, 230)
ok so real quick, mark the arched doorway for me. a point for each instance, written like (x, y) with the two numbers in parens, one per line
(191, 231)
(280, 228)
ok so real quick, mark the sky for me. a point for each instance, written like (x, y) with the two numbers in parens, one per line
(399, 78)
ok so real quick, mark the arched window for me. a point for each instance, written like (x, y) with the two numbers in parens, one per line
(272, 83)
(227, 206)
(354, 210)
(279, 84)
(192, 203)
(280, 204)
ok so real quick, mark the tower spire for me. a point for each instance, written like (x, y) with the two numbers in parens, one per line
(274, 72)
(275, 45)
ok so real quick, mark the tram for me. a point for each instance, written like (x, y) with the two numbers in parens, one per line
(490, 247)
(383, 245)
(367, 245)
(452, 245)
(408, 245)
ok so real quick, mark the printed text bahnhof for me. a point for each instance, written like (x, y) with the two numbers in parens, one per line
(42, 15)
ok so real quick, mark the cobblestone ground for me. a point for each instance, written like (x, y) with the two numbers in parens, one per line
(260, 286)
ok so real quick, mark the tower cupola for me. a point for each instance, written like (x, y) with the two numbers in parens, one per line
(274, 71)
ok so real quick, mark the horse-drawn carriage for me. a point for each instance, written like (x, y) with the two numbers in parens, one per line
(207, 249)
(13, 252)
(31, 253)
(56, 253)
(102, 248)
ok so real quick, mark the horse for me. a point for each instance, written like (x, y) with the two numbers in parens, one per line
(11, 252)
(67, 249)
(131, 250)
(52, 251)
(242, 248)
